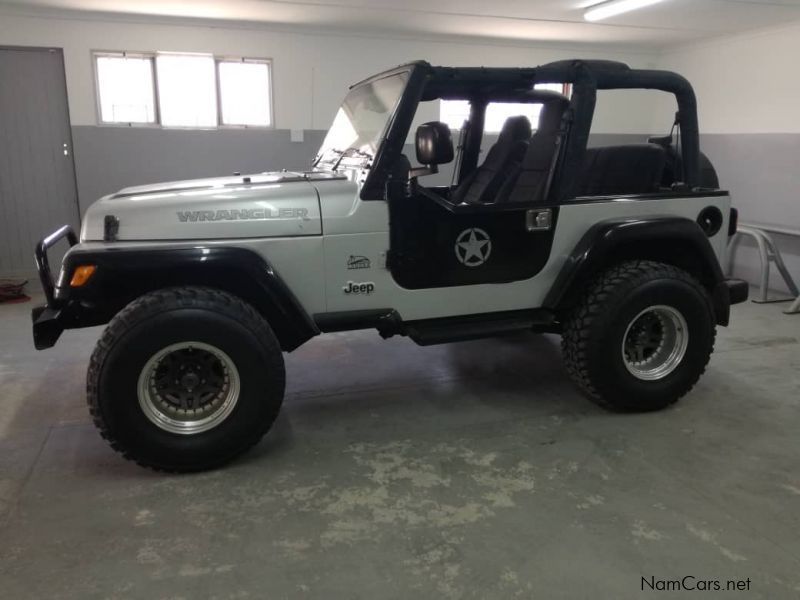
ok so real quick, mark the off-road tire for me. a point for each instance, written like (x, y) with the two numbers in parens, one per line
(594, 331)
(168, 316)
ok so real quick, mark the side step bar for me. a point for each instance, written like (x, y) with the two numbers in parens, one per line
(471, 327)
(427, 332)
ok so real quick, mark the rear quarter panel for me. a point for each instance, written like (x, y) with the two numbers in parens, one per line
(577, 217)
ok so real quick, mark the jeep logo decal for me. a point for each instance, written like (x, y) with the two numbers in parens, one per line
(244, 214)
(367, 287)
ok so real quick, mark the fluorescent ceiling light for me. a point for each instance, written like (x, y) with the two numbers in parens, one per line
(615, 7)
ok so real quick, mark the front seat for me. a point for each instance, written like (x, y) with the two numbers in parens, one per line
(531, 180)
(482, 184)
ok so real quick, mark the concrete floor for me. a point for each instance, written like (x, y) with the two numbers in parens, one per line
(473, 470)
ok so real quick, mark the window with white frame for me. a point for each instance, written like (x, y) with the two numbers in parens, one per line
(455, 112)
(125, 88)
(183, 90)
(244, 92)
(187, 94)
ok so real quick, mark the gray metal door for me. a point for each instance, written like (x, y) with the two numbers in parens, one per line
(37, 174)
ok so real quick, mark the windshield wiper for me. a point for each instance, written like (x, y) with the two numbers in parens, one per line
(339, 154)
(352, 152)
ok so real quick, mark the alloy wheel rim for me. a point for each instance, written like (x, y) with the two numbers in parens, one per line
(188, 388)
(655, 342)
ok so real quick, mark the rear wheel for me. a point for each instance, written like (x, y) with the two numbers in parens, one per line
(185, 379)
(640, 337)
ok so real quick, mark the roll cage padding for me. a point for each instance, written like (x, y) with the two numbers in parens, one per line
(586, 76)
(124, 274)
(674, 240)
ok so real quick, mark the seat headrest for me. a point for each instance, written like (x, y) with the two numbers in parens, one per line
(516, 129)
(551, 114)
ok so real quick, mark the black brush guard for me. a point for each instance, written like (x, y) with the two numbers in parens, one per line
(47, 325)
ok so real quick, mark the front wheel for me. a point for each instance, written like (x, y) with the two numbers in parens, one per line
(185, 379)
(640, 337)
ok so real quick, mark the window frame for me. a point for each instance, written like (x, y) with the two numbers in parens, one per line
(151, 56)
(270, 91)
(566, 90)
(157, 123)
(216, 90)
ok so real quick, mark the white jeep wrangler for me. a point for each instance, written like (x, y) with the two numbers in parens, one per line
(205, 283)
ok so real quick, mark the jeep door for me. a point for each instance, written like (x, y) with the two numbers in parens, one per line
(463, 272)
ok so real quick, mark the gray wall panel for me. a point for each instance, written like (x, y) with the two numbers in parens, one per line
(614, 139)
(762, 172)
(110, 158)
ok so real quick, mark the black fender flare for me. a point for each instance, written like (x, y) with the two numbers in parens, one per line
(125, 273)
(675, 240)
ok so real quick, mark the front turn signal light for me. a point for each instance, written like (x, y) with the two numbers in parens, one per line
(81, 275)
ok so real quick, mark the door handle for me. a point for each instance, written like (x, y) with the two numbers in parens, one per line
(538, 219)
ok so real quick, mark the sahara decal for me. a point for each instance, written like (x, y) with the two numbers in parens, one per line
(358, 262)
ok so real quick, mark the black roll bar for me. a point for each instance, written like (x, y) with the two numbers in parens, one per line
(587, 76)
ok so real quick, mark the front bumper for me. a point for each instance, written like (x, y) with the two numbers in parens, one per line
(47, 320)
(47, 326)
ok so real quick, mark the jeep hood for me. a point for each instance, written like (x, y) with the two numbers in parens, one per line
(262, 205)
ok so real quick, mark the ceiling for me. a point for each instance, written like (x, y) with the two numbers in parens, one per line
(667, 23)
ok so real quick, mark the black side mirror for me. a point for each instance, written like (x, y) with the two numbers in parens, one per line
(434, 144)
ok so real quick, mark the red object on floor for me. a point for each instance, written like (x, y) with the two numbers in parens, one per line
(17, 300)
(12, 291)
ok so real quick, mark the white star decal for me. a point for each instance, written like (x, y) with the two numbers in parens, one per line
(473, 247)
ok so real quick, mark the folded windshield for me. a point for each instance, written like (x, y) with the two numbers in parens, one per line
(360, 122)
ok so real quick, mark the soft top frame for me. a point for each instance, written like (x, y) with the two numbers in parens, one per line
(428, 82)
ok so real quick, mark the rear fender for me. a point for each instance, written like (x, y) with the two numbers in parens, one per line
(673, 240)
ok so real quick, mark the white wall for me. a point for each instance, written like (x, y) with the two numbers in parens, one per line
(311, 70)
(748, 96)
(745, 83)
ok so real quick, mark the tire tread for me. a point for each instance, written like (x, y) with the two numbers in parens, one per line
(155, 303)
(607, 288)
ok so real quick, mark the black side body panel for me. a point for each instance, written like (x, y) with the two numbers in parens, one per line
(673, 240)
(124, 274)
(424, 234)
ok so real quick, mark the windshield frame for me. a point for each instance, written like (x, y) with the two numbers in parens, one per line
(331, 158)
(397, 128)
